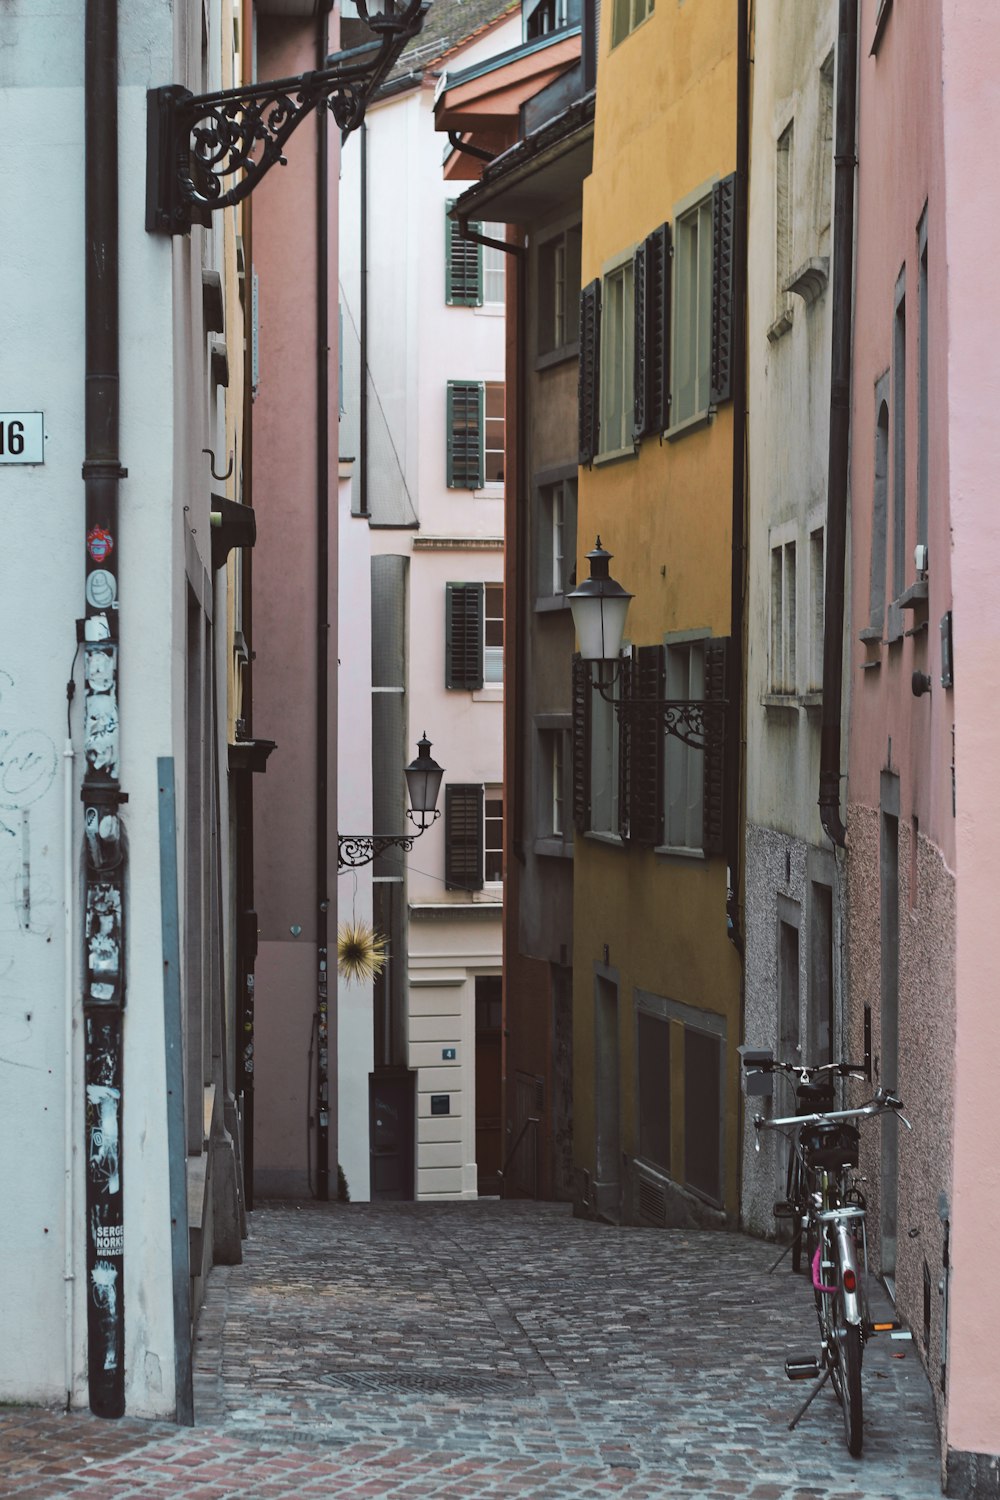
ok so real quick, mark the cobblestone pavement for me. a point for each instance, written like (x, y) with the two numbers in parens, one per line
(485, 1350)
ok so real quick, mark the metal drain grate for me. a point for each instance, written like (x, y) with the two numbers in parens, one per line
(448, 1383)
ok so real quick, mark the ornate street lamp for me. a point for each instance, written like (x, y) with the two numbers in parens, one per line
(600, 606)
(423, 781)
(207, 151)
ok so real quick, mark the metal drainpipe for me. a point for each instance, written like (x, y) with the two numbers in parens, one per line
(840, 420)
(104, 852)
(734, 728)
(323, 1101)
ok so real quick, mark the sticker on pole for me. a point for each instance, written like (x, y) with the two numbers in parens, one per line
(22, 437)
(100, 543)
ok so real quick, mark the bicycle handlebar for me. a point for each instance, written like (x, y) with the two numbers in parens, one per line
(805, 1072)
(880, 1103)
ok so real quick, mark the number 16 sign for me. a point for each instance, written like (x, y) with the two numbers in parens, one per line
(22, 437)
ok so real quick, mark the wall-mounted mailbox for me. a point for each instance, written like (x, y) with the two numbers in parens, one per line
(757, 1079)
(440, 1104)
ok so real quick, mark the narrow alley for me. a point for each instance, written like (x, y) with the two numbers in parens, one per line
(493, 1349)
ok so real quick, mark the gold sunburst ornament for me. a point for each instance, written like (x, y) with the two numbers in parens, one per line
(361, 951)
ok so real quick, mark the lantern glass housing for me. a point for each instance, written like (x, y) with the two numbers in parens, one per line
(600, 606)
(423, 778)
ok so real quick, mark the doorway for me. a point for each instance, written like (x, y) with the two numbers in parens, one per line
(489, 1083)
(889, 1061)
(390, 1096)
(607, 1186)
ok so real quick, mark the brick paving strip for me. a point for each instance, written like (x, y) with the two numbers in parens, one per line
(483, 1350)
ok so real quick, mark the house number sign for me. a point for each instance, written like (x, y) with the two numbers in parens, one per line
(22, 437)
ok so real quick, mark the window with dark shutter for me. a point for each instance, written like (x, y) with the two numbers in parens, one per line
(645, 788)
(723, 236)
(465, 435)
(463, 835)
(581, 691)
(713, 807)
(463, 267)
(651, 294)
(590, 349)
(464, 635)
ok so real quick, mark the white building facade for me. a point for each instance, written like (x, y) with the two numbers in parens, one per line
(426, 428)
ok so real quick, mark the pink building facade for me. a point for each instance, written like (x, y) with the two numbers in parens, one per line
(922, 802)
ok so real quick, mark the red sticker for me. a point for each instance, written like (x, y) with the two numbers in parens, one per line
(100, 543)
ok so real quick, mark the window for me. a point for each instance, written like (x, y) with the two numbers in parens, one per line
(817, 595)
(493, 452)
(703, 1062)
(475, 434)
(556, 539)
(559, 291)
(684, 766)
(783, 215)
(493, 835)
(617, 361)
(880, 495)
(692, 312)
(605, 742)
(463, 264)
(653, 1045)
(543, 17)
(824, 152)
(789, 1023)
(783, 678)
(551, 802)
(473, 634)
(628, 14)
(493, 632)
(473, 834)
(494, 266)
(681, 1048)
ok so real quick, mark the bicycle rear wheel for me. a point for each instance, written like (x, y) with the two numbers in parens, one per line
(846, 1355)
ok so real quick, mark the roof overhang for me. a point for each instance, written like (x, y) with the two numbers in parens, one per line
(523, 184)
(489, 97)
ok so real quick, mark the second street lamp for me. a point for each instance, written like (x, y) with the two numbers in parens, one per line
(423, 780)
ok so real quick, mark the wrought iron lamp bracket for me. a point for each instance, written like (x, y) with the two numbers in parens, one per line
(698, 722)
(357, 849)
(208, 151)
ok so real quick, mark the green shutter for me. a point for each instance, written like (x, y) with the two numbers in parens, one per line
(463, 837)
(464, 635)
(589, 378)
(640, 379)
(466, 423)
(723, 270)
(658, 329)
(463, 264)
(714, 802)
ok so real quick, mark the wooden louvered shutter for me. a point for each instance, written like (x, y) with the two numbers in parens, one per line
(623, 729)
(651, 295)
(723, 268)
(646, 749)
(640, 331)
(464, 635)
(463, 837)
(714, 804)
(463, 264)
(465, 435)
(581, 691)
(589, 381)
(658, 329)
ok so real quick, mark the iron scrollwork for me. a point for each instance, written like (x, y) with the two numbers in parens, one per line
(356, 849)
(698, 722)
(208, 151)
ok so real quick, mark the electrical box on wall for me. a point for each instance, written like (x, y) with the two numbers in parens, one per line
(440, 1104)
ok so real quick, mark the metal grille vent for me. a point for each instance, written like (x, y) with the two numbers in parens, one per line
(651, 1201)
(451, 1383)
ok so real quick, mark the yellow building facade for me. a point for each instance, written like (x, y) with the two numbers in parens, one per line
(657, 947)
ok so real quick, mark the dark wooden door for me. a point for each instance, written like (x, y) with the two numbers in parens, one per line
(489, 1083)
(390, 1095)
